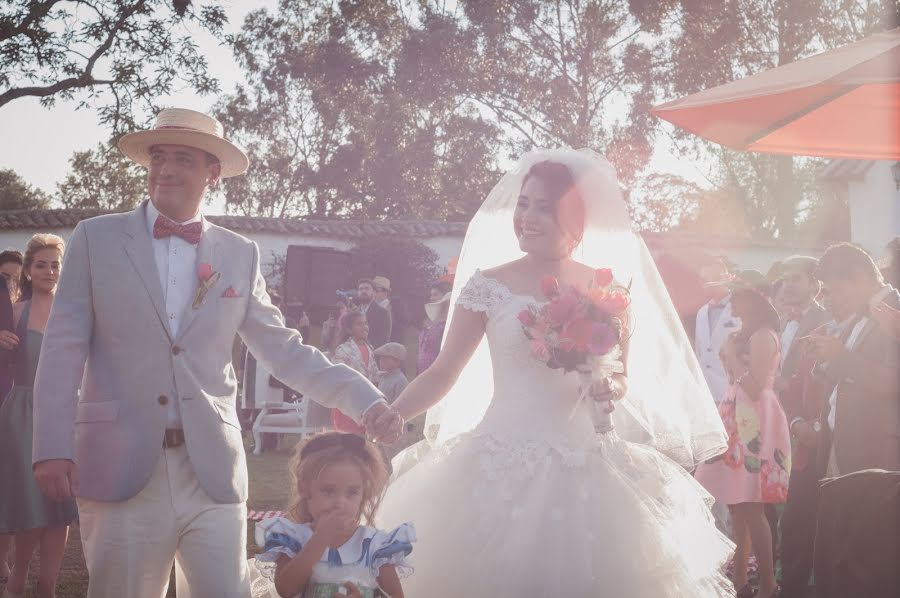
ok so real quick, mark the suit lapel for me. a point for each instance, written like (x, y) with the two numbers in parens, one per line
(207, 252)
(139, 248)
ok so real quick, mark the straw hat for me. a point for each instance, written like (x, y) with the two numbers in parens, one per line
(382, 282)
(438, 308)
(179, 126)
(395, 350)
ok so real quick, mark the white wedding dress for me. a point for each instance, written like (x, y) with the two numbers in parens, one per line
(533, 503)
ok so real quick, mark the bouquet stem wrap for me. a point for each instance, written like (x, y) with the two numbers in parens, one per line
(599, 368)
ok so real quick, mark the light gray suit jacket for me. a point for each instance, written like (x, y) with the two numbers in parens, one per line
(108, 333)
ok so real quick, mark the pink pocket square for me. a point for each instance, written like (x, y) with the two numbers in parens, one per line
(230, 293)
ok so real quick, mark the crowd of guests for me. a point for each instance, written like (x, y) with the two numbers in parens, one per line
(362, 334)
(804, 363)
(29, 521)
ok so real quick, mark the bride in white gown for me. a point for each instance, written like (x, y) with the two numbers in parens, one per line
(513, 493)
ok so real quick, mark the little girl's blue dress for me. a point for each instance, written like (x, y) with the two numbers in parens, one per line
(359, 560)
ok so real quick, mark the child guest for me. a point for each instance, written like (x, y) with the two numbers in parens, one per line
(326, 542)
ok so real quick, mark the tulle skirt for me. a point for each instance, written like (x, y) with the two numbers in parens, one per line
(501, 516)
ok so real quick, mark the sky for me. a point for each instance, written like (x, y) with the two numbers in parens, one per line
(38, 142)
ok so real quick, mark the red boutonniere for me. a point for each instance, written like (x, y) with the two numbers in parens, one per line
(207, 278)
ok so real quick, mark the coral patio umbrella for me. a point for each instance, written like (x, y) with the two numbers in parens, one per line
(844, 103)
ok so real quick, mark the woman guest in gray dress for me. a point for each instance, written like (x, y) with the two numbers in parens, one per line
(34, 520)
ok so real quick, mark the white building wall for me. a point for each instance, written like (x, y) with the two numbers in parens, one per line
(749, 256)
(875, 209)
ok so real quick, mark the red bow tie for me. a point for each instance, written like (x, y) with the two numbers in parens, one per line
(163, 227)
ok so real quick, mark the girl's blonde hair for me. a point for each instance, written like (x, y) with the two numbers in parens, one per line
(37, 243)
(313, 455)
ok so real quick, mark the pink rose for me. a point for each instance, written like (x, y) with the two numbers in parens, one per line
(550, 286)
(204, 271)
(563, 309)
(603, 277)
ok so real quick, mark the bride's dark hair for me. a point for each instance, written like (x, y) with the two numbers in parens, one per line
(570, 211)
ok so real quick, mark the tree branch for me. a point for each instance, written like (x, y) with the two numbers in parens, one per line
(86, 78)
(36, 13)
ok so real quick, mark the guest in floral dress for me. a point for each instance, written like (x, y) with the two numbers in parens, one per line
(355, 351)
(756, 467)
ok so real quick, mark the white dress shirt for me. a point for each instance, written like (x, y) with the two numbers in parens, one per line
(787, 338)
(176, 261)
(790, 333)
(851, 342)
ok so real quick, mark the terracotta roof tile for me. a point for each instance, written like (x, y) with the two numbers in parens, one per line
(347, 229)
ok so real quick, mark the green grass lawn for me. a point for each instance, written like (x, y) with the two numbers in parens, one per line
(269, 490)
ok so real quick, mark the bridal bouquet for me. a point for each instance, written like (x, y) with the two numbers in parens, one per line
(581, 331)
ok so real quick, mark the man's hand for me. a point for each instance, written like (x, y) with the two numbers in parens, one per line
(383, 424)
(825, 348)
(805, 433)
(57, 478)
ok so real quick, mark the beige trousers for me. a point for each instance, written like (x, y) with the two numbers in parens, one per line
(129, 546)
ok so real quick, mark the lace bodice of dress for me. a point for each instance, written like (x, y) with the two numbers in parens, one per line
(530, 401)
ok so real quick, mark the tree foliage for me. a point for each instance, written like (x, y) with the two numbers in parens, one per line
(16, 194)
(103, 178)
(570, 73)
(714, 43)
(118, 56)
(352, 110)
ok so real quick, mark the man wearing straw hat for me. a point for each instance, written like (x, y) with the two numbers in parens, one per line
(143, 322)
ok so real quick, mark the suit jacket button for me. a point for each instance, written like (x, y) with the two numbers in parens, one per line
(163, 399)
(176, 350)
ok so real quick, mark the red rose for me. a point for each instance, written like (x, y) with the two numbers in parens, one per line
(204, 271)
(616, 303)
(603, 277)
(526, 317)
(550, 286)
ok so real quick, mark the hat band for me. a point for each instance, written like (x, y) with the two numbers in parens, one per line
(180, 128)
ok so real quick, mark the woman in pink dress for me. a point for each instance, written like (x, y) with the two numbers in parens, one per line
(757, 465)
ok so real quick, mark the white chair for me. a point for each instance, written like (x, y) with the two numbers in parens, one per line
(293, 421)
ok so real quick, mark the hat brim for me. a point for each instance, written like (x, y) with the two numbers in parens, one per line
(136, 146)
(390, 353)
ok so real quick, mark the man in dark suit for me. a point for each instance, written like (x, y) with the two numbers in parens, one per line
(379, 319)
(802, 394)
(860, 422)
